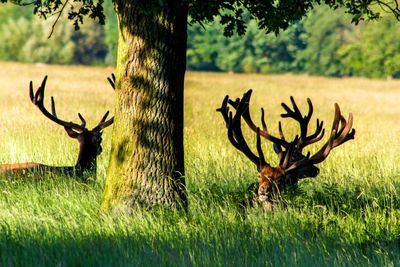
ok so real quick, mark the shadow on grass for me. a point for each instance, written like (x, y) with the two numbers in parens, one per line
(233, 244)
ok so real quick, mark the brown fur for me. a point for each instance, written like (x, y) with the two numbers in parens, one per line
(269, 176)
(20, 168)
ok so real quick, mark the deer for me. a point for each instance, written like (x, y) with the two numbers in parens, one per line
(294, 164)
(89, 140)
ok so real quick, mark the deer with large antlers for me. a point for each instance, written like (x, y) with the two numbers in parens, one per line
(89, 140)
(293, 164)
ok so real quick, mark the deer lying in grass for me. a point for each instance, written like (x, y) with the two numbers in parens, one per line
(293, 164)
(89, 140)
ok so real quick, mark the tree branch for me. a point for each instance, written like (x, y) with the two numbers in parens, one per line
(395, 10)
(57, 19)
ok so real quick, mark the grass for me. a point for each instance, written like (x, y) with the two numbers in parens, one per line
(348, 215)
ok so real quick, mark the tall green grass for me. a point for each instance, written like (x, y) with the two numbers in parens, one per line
(348, 215)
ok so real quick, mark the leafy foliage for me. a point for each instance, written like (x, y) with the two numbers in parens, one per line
(374, 51)
(111, 33)
(89, 44)
(324, 43)
(324, 36)
(25, 40)
(252, 52)
(24, 37)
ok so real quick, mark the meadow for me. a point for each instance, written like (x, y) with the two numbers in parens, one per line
(348, 215)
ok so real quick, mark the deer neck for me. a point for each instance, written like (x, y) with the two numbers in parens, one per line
(86, 158)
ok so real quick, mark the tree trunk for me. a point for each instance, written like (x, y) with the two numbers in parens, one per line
(146, 166)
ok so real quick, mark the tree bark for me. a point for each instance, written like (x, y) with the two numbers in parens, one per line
(146, 166)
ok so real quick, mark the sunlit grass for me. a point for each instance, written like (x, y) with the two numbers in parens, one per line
(348, 215)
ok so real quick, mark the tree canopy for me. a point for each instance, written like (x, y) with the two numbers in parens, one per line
(272, 16)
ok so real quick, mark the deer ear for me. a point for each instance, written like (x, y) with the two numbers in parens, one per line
(71, 133)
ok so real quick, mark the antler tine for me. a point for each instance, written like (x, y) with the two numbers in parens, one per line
(336, 120)
(231, 135)
(224, 110)
(103, 119)
(38, 100)
(83, 125)
(283, 161)
(265, 130)
(343, 124)
(264, 125)
(103, 123)
(346, 132)
(31, 94)
(281, 131)
(112, 80)
(39, 95)
(310, 109)
(53, 107)
(261, 157)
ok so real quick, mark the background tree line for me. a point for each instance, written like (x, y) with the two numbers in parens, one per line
(325, 43)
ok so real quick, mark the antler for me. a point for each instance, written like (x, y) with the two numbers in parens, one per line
(37, 100)
(103, 123)
(291, 158)
(339, 135)
(235, 134)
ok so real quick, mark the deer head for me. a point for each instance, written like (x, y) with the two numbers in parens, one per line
(293, 164)
(89, 140)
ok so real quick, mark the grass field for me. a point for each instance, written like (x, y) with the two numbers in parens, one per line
(348, 215)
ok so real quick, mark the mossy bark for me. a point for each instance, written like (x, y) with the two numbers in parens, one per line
(146, 166)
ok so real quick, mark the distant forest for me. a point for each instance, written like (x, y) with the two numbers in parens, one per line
(325, 43)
